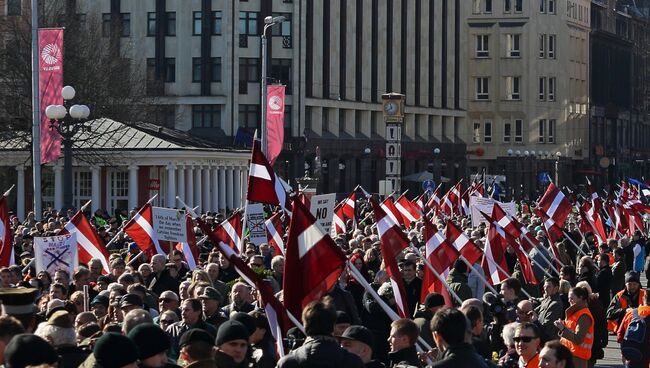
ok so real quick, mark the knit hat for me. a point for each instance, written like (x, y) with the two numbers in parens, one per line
(150, 339)
(115, 350)
(632, 276)
(195, 335)
(231, 330)
(29, 349)
(434, 300)
(100, 299)
(245, 319)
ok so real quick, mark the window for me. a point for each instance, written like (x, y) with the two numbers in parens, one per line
(487, 131)
(542, 46)
(197, 23)
(249, 72)
(488, 6)
(542, 130)
(126, 24)
(196, 69)
(476, 137)
(542, 88)
(151, 69)
(482, 91)
(513, 85)
(215, 69)
(216, 23)
(217, 20)
(512, 42)
(106, 25)
(170, 70)
(119, 192)
(519, 131)
(542, 6)
(551, 131)
(248, 23)
(551, 6)
(551, 88)
(507, 132)
(81, 188)
(284, 29)
(171, 24)
(15, 7)
(482, 46)
(519, 6)
(249, 116)
(507, 6)
(551, 47)
(151, 23)
(281, 71)
(206, 116)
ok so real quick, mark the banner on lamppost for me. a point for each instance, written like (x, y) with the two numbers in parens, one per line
(274, 121)
(50, 83)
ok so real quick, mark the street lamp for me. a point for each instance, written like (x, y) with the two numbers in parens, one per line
(268, 23)
(67, 122)
(436, 166)
(558, 155)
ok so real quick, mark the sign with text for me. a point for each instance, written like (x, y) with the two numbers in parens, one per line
(255, 223)
(322, 207)
(55, 253)
(485, 205)
(169, 224)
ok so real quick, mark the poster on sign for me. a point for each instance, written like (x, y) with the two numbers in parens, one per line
(55, 253)
(169, 224)
(255, 223)
(322, 207)
(485, 205)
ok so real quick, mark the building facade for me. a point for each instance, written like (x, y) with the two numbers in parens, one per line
(528, 89)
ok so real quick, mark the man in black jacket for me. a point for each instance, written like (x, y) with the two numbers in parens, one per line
(162, 280)
(359, 340)
(449, 327)
(403, 336)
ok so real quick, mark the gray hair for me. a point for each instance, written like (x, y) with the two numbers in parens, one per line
(57, 336)
(134, 318)
(508, 334)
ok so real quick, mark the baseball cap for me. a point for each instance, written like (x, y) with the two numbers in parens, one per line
(358, 333)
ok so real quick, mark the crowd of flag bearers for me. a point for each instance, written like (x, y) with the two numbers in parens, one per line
(396, 282)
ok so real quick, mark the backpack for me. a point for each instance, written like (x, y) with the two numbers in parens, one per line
(634, 346)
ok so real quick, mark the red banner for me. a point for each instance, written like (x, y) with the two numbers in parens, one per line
(274, 121)
(50, 83)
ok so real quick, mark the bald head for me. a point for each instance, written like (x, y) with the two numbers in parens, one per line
(524, 311)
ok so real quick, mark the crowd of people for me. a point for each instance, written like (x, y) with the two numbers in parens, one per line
(158, 312)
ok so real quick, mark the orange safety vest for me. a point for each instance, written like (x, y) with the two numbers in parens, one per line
(612, 325)
(583, 350)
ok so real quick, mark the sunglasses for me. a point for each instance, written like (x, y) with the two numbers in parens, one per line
(523, 338)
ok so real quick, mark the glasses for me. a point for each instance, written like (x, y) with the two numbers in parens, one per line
(523, 338)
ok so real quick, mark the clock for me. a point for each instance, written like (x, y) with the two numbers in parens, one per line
(391, 108)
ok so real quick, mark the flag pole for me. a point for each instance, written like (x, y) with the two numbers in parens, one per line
(438, 276)
(122, 231)
(6, 194)
(478, 274)
(574, 243)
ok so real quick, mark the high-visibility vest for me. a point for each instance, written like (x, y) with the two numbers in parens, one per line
(612, 325)
(583, 350)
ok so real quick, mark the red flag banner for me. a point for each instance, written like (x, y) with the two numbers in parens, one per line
(274, 121)
(50, 83)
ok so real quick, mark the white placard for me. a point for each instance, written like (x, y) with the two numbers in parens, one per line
(55, 253)
(393, 167)
(485, 205)
(393, 132)
(322, 207)
(169, 224)
(393, 150)
(255, 223)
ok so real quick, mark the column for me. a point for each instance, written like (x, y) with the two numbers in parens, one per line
(180, 180)
(189, 186)
(206, 203)
(244, 182)
(20, 193)
(58, 187)
(214, 188)
(171, 186)
(222, 188)
(229, 187)
(237, 187)
(133, 186)
(198, 195)
(95, 195)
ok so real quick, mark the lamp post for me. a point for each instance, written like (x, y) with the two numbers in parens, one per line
(67, 122)
(436, 166)
(510, 182)
(558, 156)
(268, 23)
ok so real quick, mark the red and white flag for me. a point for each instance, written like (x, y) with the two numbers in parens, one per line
(555, 204)
(462, 243)
(442, 257)
(344, 211)
(6, 238)
(89, 244)
(434, 200)
(140, 229)
(392, 242)
(406, 211)
(451, 200)
(275, 233)
(338, 220)
(553, 231)
(518, 231)
(230, 232)
(263, 185)
(189, 248)
(418, 203)
(388, 206)
(494, 259)
(593, 219)
(313, 262)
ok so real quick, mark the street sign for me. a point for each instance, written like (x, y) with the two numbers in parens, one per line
(393, 167)
(393, 132)
(428, 185)
(393, 150)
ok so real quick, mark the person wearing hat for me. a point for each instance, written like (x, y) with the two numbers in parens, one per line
(102, 283)
(343, 321)
(99, 306)
(424, 314)
(29, 350)
(630, 297)
(232, 345)
(192, 317)
(19, 303)
(197, 349)
(153, 344)
(211, 300)
(60, 332)
(113, 350)
(130, 302)
(360, 341)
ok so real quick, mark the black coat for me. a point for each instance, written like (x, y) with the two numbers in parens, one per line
(604, 286)
(409, 355)
(320, 352)
(376, 320)
(457, 356)
(413, 290)
(163, 282)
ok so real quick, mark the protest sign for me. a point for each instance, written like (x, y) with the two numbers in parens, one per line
(485, 205)
(255, 223)
(322, 207)
(55, 253)
(169, 224)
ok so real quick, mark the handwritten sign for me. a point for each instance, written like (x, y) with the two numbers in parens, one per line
(169, 224)
(485, 205)
(255, 223)
(322, 207)
(55, 253)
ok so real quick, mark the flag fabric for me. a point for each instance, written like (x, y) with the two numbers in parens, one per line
(140, 229)
(392, 242)
(230, 232)
(418, 203)
(406, 211)
(6, 238)
(50, 84)
(494, 260)
(274, 121)
(595, 222)
(595, 199)
(514, 228)
(553, 231)
(263, 185)
(555, 204)
(344, 210)
(434, 200)
(464, 203)
(189, 248)
(462, 243)
(442, 256)
(388, 206)
(450, 201)
(477, 188)
(275, 233)
(338, 220)
(313, 262)
(89, 244)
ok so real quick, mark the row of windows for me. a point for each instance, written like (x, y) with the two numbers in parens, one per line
(547, 46)
(209, 116)
(249, 23)
(546, 132)
(547, 88)
(485, 6)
